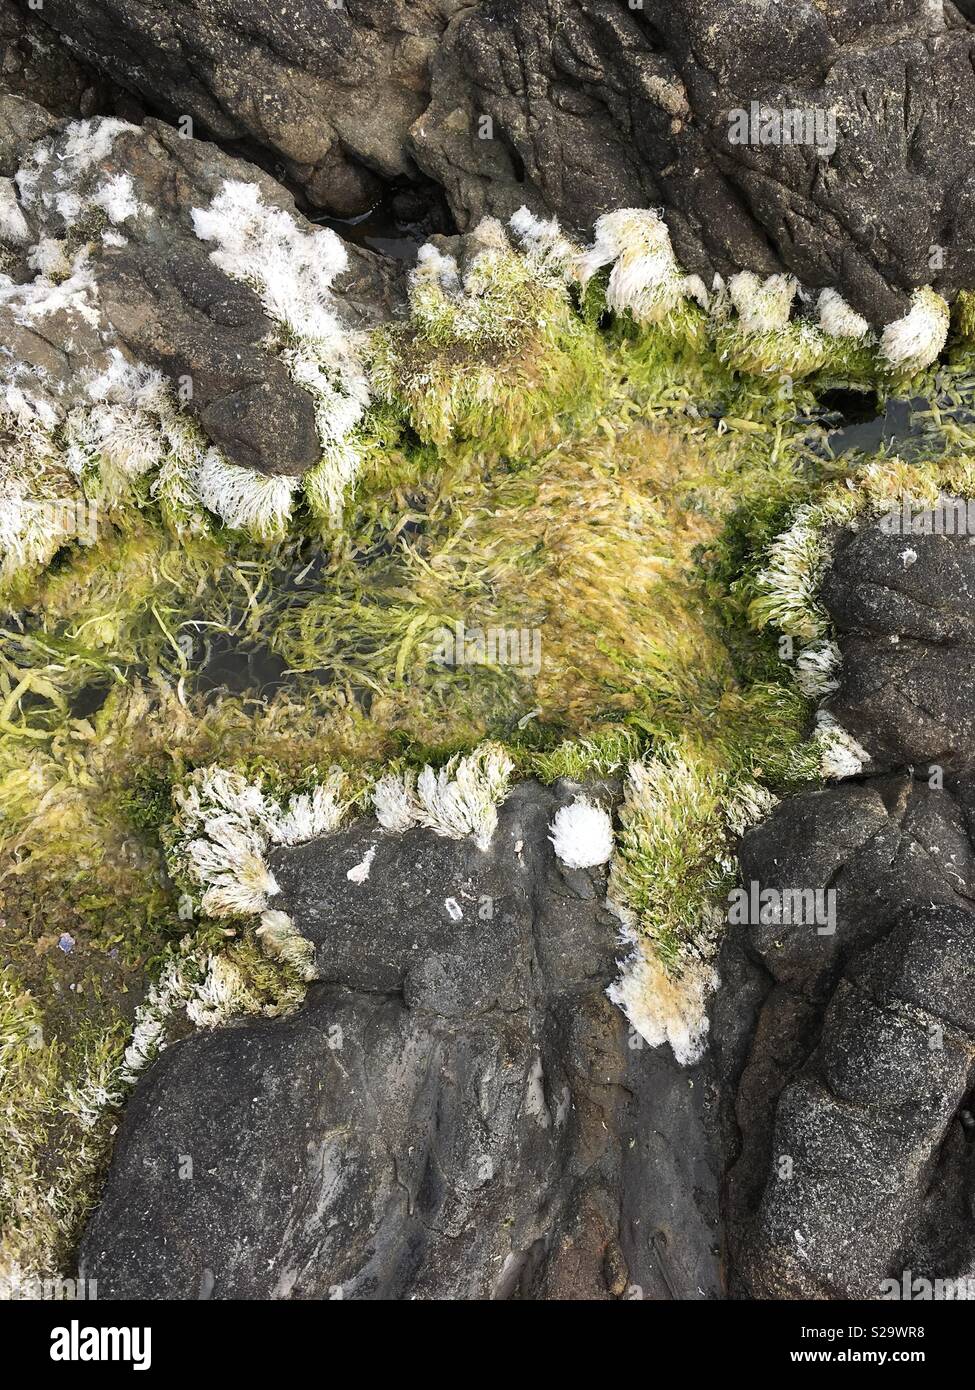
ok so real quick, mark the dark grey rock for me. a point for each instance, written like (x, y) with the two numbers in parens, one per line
(178, 312)
(37, 66)
(903, 610)
(456, 1111)
(331, 89)
(22, 124)
(579, 106)
(848, 1161)
(160, 298)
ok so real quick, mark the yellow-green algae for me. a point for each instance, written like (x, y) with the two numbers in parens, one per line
(614, 487)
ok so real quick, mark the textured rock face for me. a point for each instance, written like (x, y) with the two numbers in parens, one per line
(456, 1111)
(852, 1159)
(332, 89)
(903, 608)
(578, 106)
(34, 65)
(22, 122)
(147, 287)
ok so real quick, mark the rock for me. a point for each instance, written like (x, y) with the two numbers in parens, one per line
(849, 1164)
(22, 124)
(178, 312)
(113, 205)
(902, 607)
(36, 66)
(332, 90)
(455, 1112)
(580, 106)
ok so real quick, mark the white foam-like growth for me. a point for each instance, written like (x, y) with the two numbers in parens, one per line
(459, 800)
(43, 296)
(209, 989)
(763, 306)
(485, 303)
(116, 197)
(41, 506)
(121, 430)
(90, 142)
(544, 243)
(81, 147)
(311, 814)
(214, 793)
(282, 940)
(435, 267)
(48, 258)
(165, 997)
(243, 499)
(646, 278)
(393, 798)
(229, 864)
(14, 228)
(582, 834)
(790, 581)
(915, 341)
(219, 995)
(292, 271)
(838, 319)
(226, 825)
(816, 669)
(842, 756)
(666, 1010)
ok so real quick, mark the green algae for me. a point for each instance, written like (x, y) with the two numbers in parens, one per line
(540, 467)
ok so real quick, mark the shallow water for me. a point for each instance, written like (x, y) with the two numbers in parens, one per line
(862, 429)
(238, 667)
(380, 230)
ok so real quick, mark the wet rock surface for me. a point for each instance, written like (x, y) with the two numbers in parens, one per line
(457, 1111)
(579, 106)
(849, 1140)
